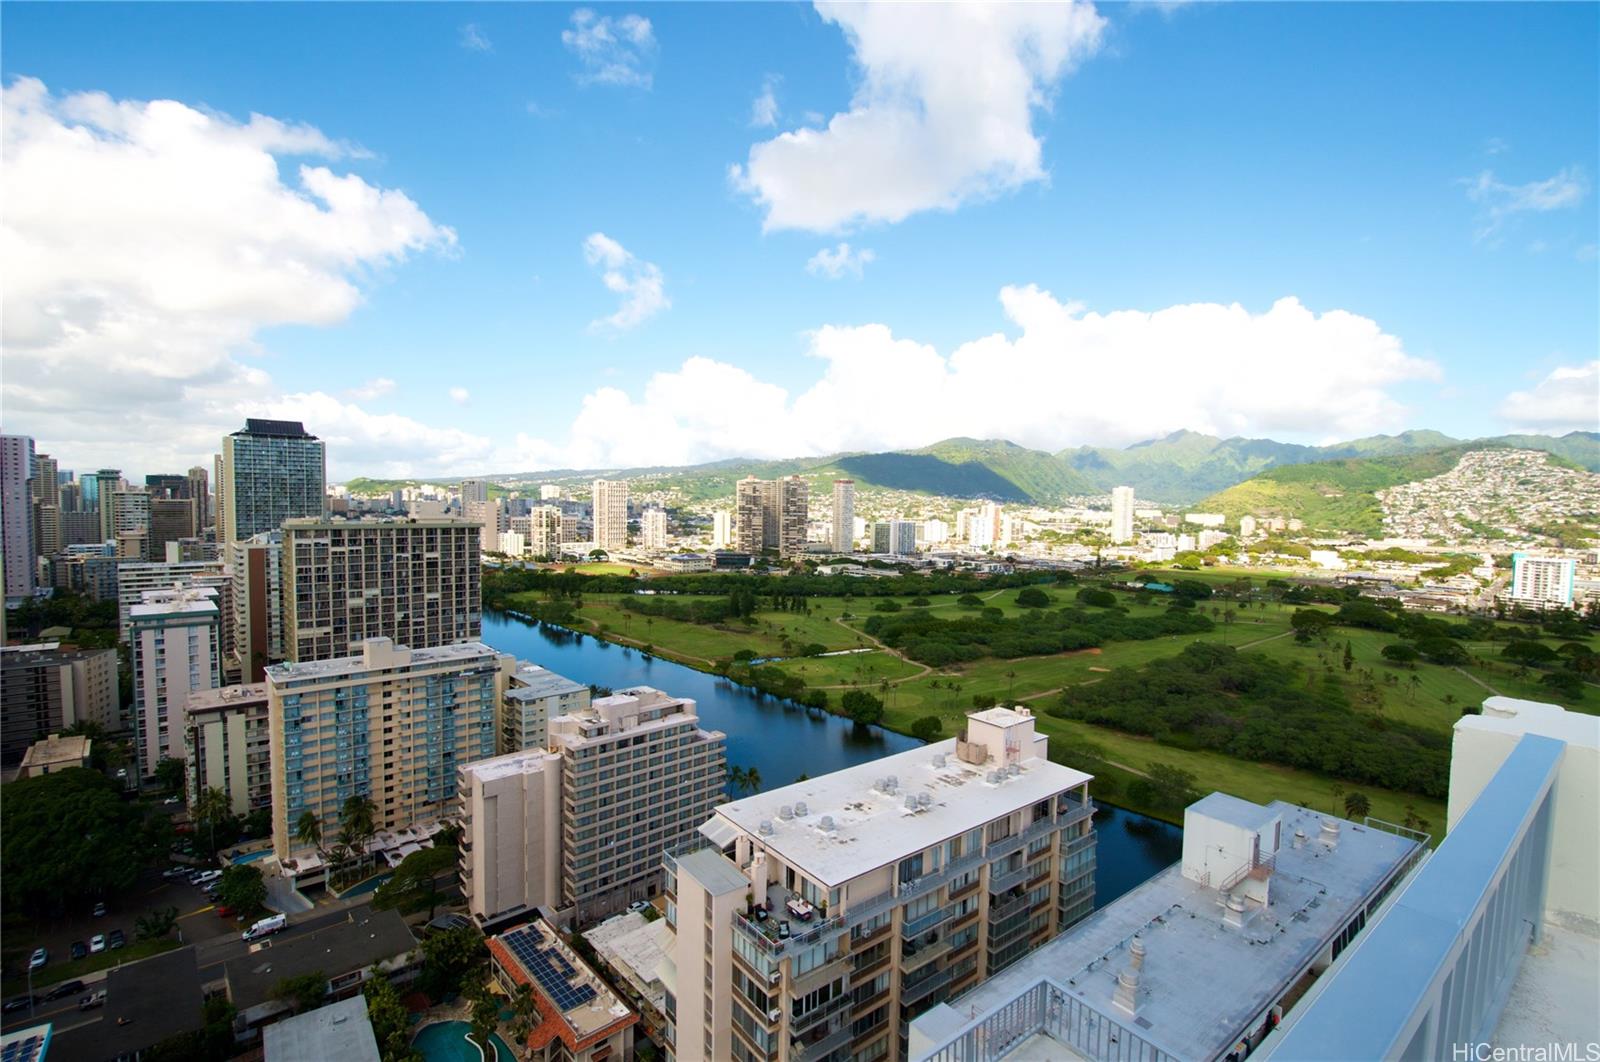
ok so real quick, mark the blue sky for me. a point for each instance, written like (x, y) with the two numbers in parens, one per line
(1083, 226)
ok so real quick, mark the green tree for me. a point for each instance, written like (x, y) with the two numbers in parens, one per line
(211, 809)
(1400, 653)
(447, 958)
(170, 774)
(1349, 657)
(485, 1013)
(156, 924)
(1524, 651)
(1356, 805)
(524, 1013)
(928, 728)
(862, 707)
(1033, 597)
(415, 883)
(308, 830)
(305, 992)
(391, 1022)
(242, 888)
(67, 838)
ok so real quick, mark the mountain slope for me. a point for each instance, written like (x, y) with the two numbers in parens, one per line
(1331, 495)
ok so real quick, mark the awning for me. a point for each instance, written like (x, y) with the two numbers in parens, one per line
(719, 831)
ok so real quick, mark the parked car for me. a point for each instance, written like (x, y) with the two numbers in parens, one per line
(116, 938)
(638, 905)
(38, 958)
(63, 990)
(93, 1000)
(224, 911)
(173, 800)
(97, 944)
(20, 1003)
(99, 910)
(266, 927)
(79, 949)
(205, 877)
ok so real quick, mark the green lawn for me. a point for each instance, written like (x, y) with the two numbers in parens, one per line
(857, 669)
(56, 972)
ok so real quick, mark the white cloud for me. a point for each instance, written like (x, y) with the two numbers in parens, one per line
(1495, 146)
(1220, 369)
(942, 114)
(373, 388)
(147, 243)
(1567, 399)
(640, 283)
(459, 395)
(613, 51)
(840, 261)
(1498, 200)
(764, 111)
(473, 39)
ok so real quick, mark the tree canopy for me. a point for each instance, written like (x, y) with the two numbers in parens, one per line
(68, 839)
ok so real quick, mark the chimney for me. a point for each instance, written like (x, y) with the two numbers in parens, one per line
(1126, 996)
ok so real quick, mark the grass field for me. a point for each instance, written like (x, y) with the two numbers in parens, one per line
(1435, 699)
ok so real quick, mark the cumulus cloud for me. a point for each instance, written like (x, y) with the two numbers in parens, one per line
(373, 388)
(1287, 371)
(612, 51)
(459, 395)
(147, 243)
(942, 115)
(764, 111)
(1567, 399)
(1498, 201)
(473, 39)
(840, 261)
(640, 283)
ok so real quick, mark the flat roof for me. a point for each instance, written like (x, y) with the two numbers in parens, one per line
(714, 872)
(524, 762)
(182, 606)
(1202, 982)
(146, 1002)
(1235, 811)
(220, 697)
(351, 665)
(340, 1030)
(1514, 717)
(871, 827)
(535, 682)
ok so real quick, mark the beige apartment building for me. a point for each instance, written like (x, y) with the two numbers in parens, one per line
(227, 745)
(255, 567)
(413, 581)
(771, 514)
(534, 696)
(390, 723)
(638, 775)
(176, 641)
(610, 505)
(44, 688)
(815, 921)
(510, 813)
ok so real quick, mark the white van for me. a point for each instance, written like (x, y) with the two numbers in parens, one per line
(266, 927)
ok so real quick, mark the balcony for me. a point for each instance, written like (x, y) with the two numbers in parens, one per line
(822, 1047)
(917, 926)
(918, 988)
(809, 1020)
(1003, 881)
(912, 958)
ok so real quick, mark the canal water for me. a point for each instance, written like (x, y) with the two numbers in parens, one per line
(782, 741)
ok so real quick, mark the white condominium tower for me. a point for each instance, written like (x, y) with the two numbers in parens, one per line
(390, 723)
(610, 498)
(844, 514)
(653, 528)
(721, 529)
(1122, 514)
(175, 637)
(1544, 582)
(817, 920)
(416, 581)
(272, 471)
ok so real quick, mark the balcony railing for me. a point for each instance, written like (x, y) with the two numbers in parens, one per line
(913, 990)
(921, 924)
(776, 947)
(810, 1019)
(911, 958)
(1003, 881)
(821, 1049)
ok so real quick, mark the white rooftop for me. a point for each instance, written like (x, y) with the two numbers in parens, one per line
(461, 652)
(1515, 717)
(871, 827)
(1202, 982)
(525, 762)
(1235, 811)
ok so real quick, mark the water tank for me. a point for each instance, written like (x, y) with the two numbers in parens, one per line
(800, 808)
(894, 782)
(826, 822)
(786, 812)
(993, 778)
(911, 802)
(765, 827)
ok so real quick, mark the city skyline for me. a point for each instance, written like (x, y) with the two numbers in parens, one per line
(1428, 265)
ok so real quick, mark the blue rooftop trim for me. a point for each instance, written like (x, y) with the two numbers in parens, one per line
(1368, 1003)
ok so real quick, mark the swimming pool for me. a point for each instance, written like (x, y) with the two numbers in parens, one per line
(361, 889)
(446, 1041)
(251, 857)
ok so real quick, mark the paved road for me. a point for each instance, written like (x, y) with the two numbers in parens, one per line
(211, 954)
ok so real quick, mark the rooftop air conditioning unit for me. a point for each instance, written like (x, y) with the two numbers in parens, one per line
(800, 808)
(786, 812)
(765, 827)
(774, 1015)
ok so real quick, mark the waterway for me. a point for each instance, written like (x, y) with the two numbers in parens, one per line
(783, 741)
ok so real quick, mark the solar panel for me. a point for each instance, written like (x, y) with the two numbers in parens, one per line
(27, 1049)
(550, 968)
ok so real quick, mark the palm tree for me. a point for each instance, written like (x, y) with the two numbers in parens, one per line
(752, 779)
(1338, 791)
(358, 817)
(211, 806)
(1011, 686)
(525, 1013)
(308, 830)
(736, 778)
(1357, 806)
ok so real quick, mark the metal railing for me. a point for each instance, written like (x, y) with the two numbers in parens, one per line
(911, 991)
(812, 1052)
(923, 923)
(775, 947)
(809, 1019)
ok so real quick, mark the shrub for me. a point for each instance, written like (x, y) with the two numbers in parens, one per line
(928, 728)
(1096, 597)
(1400, 653)
(1033, 597)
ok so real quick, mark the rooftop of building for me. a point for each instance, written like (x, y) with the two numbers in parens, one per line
(375, 520)
(386, 656)
(611, 715)
(191, 601)
(1202, 981)
(340, 1030)
(52, 652)
(637, 949)
(512, 763)
(56, 749)
(851, 825)
(277, 429)
(146, 1002)
(713, 872)
(584, 1007)
(221, 698)
(1514, 717)
(365, 938)
(531, 682)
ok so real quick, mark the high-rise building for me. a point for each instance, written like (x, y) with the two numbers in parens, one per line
(256, 611)
(47, 534)
(272, 471)
(1543, 582)
(895, 537)
(610, 503)
(227, 746)
(771, 515)
(549, 492)
(983, 526)
(844, 514)
(46, 485)
(510, 815)
(792, 496)
(749, 515)
(107, 482)
(177, 649)
(721, 529)
(45, 688)
(171, 520)
(476, 507)
(416, 582)
(200, 491)
(817, 920)
(935, 531)
(534, 696)
(20, 553)
(541, 530)
(218, 506)
(638, 775)
(134, 578)
(390, 723)
(1247, 526)
(653, 528)
(1122, 514)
